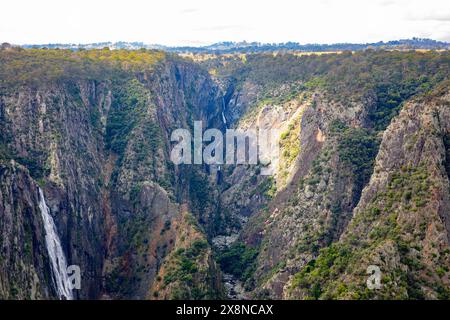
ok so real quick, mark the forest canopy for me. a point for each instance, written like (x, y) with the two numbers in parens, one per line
(32, 66)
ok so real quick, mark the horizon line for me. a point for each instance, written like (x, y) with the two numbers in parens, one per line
(250, 43)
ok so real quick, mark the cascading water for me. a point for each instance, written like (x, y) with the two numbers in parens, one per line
(55, 252)
(223, 112)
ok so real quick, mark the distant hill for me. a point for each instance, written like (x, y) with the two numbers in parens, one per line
(247, 47)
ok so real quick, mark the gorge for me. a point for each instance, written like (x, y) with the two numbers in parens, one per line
(362, 177)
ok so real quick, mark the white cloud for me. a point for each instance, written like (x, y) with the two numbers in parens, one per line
(181, 22)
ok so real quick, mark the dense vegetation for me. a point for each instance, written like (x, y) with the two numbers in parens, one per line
(37, 66)
(380, 83)
(357, 148)
(390, 76)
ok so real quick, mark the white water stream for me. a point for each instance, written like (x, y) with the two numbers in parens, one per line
(55, 252)
(223, 112)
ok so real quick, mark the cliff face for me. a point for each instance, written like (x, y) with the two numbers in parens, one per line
(150, 197)
(401, 223)
(309, 234)
(23, 239)
(100, 151)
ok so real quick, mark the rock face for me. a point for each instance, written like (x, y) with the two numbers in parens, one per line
(362, 178)
(25, 272)
(402, 219)
(401, 223)
(100, 151)
(311, 238)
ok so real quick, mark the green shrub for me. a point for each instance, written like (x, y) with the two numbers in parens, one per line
(238, 260)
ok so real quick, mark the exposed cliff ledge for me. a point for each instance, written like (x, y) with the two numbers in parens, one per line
(401, 223)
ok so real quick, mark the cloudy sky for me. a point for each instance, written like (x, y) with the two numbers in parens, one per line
(200, 22)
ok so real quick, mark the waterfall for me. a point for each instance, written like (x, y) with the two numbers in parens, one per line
(223, 118)
(223, 114)
(55, 252)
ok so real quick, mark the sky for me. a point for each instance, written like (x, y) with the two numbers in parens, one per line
(202, 22)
